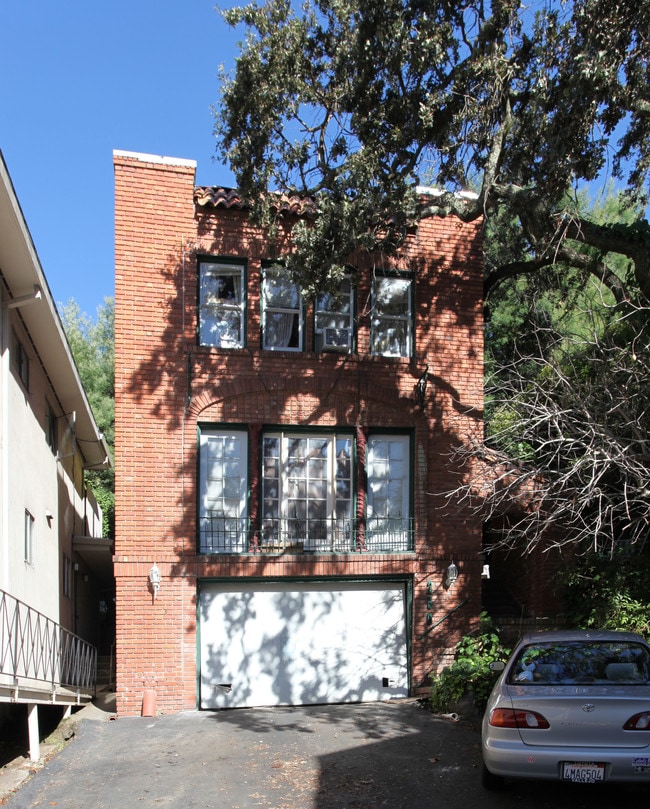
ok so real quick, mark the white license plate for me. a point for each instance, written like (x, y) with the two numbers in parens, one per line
(582, 773)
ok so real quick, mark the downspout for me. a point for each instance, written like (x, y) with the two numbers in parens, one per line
(362, 487)
(188, 400)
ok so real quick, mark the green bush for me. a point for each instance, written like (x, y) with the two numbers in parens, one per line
(470, 671)
(604, 592)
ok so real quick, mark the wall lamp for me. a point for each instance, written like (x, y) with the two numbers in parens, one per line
(154, 579)
(452, 575)
(35, 295)
(421, 388)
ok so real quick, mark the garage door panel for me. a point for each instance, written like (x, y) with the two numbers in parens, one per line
(288, 644)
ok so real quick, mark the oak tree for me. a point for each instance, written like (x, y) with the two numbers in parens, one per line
(357, 103)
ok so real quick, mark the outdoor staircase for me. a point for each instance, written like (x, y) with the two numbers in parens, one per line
(105, 672)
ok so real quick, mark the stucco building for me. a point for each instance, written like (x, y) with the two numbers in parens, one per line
(55, 564)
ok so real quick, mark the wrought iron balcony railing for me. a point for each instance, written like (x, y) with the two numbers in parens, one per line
(36, 651)
(219, 534)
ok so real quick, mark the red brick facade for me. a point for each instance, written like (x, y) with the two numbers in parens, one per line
(167, 385)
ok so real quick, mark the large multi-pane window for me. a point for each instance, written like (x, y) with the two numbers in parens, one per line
(391, 327)
(221, 304)
(333, 319)
(307, 496)
(307, 491)
(282, 312)
(223, 464)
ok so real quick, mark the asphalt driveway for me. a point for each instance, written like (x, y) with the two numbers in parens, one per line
(373, 756)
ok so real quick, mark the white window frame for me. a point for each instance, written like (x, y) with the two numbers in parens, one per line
(290, 314)
(223, 490)
(217, 313)
(388, 503)
(388, 327)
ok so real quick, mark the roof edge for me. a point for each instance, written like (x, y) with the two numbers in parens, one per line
(152, 158)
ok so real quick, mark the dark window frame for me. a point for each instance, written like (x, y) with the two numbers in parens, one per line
(297, 331)
(238, 266)
(377, 317)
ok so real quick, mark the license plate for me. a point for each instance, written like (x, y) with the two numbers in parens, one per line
(583, 773)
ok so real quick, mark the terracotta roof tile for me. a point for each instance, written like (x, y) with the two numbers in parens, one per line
(218, 197)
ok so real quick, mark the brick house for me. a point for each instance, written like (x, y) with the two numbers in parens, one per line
(281, 463)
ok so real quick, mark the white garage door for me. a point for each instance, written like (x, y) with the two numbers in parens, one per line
(301, 643)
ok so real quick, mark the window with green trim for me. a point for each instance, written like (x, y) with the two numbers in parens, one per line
(282, 311)
(334, 319)
(223, 491)
(391, 324)
(307, 491)
(222, 304)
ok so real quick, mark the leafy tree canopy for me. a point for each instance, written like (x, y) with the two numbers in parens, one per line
(566, 456)
(92, 346)
(357, 103)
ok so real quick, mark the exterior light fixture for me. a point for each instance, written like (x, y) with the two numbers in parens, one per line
(421, 388)
(154, 579)
(452, 575)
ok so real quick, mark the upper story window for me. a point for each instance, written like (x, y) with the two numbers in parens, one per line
(334, 320)
(222, 304)
(21, 361)
(282, 312)
(51, 428)
(391, 328)
(29, 538)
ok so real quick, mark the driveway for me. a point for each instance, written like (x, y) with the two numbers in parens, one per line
(373, 756)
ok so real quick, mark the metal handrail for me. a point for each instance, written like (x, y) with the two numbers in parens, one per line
(34, 647)
(219, 534)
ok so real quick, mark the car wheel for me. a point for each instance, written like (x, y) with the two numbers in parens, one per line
(490, 780)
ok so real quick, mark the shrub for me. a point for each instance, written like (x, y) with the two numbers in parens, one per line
(604, 592)
(470, 671)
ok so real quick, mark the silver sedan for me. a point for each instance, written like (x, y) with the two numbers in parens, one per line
(571, 706)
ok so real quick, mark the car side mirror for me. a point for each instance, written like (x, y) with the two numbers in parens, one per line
(497, 665)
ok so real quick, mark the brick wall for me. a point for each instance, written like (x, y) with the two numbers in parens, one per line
(166, 385)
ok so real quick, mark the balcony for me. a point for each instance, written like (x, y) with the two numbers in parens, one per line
(219, 534)
(40, 661)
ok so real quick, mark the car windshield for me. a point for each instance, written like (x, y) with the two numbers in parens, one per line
(582, 661)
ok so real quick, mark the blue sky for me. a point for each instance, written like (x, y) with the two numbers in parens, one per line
(80, 79)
